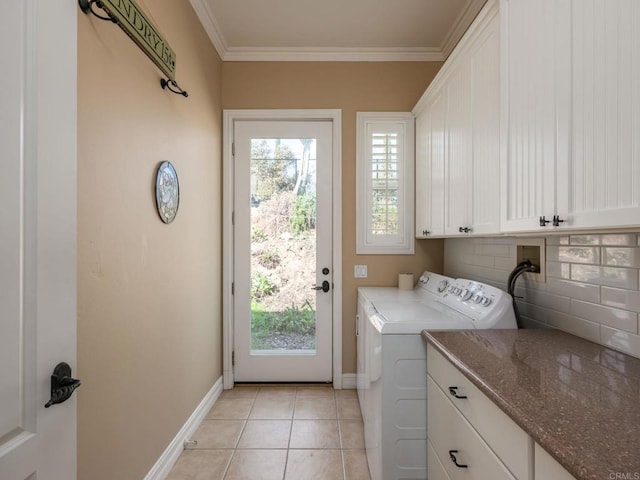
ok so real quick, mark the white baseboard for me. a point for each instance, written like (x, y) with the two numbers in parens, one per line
(349, 381)
(163, 466)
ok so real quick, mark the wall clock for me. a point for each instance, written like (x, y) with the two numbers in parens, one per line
(167, 192)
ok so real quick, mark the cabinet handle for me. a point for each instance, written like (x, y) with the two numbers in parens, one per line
(357, 325)
(425, 233)
(454, 392)
(453, 458)
(557, 221)
(464, 229)
(544, 221)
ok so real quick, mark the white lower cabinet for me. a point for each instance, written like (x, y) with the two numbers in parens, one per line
(462, 452)
(546, 467)
(470, 437)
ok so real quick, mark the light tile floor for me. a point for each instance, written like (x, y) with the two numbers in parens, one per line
(294, 432)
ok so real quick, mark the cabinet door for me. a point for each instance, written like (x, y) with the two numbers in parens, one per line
(484, 208)
(430, 162)
(604, 183)
(423, 146)
(546, 467)
(458, 147)
(535, 117)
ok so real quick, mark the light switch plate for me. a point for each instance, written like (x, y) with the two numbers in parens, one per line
(359, 271)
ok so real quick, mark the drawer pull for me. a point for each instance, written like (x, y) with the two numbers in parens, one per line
(455, 460)
(454, 392)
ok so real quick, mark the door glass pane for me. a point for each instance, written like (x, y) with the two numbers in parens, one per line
(283, 244)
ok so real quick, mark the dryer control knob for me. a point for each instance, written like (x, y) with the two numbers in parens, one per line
(485, 302)
(442, 286)
(466, 294)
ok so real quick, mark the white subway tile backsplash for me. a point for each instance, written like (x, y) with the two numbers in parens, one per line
(619, 340)
(535, 311)
(592, 287)
(613, 317)
(478, 260)
(584, 239)
(580, 291)
(621, 257)
(559, 270)
(528, 322)
(590, 255)
(558, 240)
(540, 297)
(575, 325)
(609, 276)
(619, 239)
(504, 263)
(620, 298)
(493, 249)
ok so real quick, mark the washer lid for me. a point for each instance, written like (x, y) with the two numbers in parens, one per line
(411, 317)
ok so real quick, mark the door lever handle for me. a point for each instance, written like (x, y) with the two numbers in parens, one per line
(325, 287)
(62, 384)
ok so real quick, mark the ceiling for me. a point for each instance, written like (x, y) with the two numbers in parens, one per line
(335, 30)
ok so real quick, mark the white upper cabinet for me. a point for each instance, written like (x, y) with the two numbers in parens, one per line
(604, 172)
(535, 79)
(458, 138)
(571, 114)
(430, 151)
(484, 205)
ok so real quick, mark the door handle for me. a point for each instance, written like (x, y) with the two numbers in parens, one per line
(62, 384)
(325, 287)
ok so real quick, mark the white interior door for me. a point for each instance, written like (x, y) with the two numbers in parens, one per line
(37, 236)
(283, 273)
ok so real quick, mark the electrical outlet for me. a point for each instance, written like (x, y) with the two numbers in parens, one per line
(359, 271)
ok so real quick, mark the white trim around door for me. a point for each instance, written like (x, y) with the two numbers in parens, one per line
(229, 117)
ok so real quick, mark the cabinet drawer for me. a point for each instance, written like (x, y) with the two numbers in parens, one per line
(506, 438)
(450, 433)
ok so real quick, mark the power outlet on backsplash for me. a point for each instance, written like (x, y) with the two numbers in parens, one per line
(532, 249)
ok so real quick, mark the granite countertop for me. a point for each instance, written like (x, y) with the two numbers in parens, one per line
(578, 400)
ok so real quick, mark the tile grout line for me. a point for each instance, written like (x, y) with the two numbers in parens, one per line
(293, 415)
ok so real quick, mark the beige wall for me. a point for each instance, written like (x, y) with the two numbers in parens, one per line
(149, 301)
(351, 87)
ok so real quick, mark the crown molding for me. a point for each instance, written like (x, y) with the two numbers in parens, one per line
(210, 25)
(307, 54)
(321, 54)
(460, 26)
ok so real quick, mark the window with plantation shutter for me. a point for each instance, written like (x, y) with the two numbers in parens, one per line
(384, 200)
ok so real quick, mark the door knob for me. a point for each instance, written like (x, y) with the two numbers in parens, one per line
(62, 384)
(325, 287)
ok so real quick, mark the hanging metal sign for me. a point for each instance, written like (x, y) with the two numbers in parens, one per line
(130, 18)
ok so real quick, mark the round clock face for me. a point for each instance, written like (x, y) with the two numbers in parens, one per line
(167, 192)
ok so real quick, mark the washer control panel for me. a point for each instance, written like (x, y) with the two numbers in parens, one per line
(435, 283)
(475, 299)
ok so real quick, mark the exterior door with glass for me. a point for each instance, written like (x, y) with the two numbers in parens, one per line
(283, 251)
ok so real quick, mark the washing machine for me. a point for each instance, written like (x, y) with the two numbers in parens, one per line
(391, 375)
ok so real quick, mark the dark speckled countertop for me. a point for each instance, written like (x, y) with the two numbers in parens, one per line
(578, 400)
